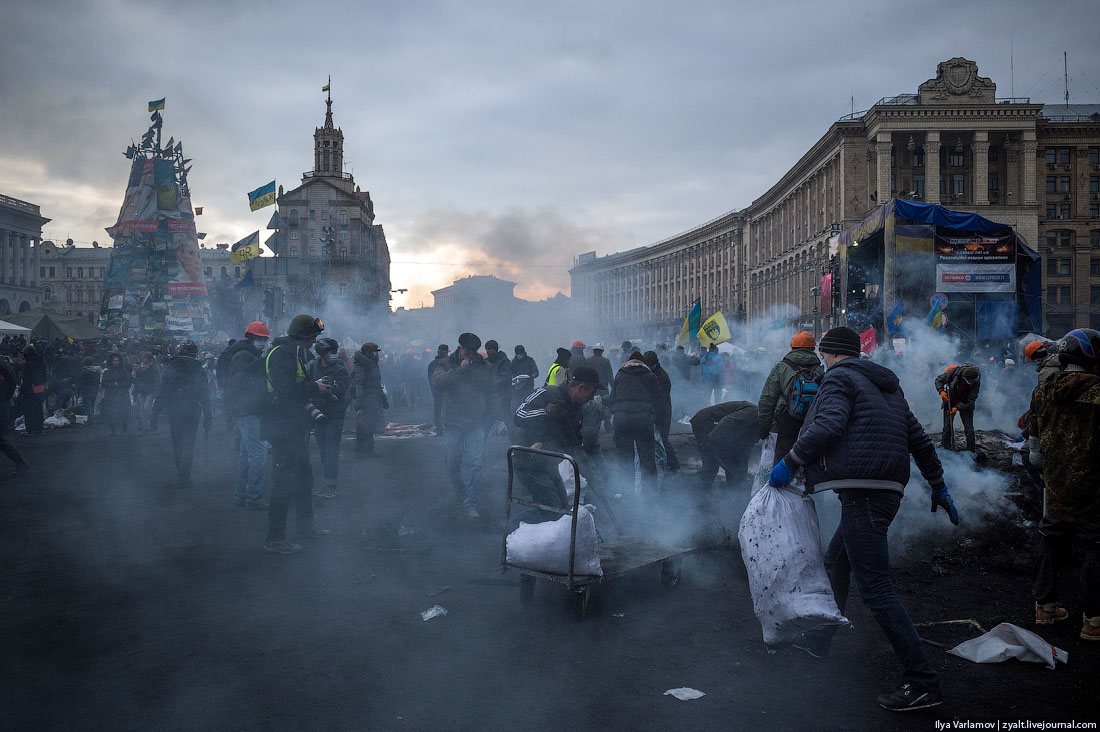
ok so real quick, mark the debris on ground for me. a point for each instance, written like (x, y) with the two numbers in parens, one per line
(1010, 641)
(433, 612)
(684, 693)
(398, 431)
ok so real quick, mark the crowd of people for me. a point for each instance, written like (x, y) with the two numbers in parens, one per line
(825, 409)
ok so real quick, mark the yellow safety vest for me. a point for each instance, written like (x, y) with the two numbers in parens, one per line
(557, 374)
(267, 367)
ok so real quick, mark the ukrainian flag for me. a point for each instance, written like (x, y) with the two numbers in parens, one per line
(262, 196)
(246, 248)
(691, 325)
(327, 86)
(155, 105)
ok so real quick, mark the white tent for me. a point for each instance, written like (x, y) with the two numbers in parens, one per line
(7, 328)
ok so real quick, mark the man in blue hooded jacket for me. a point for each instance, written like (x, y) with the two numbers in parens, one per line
(856, 440)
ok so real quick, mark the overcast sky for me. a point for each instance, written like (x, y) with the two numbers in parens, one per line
(498, 138)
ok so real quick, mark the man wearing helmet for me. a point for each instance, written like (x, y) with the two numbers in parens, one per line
(185, 393)
(958, 387)
(284, 425)
(1049, 363)
(327, 367)
(1065, 442)
(241, 369)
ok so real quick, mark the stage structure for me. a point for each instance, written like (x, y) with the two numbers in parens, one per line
(154, 284)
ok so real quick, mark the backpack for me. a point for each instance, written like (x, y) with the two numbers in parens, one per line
(803, 390)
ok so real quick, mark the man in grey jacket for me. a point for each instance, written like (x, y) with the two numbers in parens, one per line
(857, 439)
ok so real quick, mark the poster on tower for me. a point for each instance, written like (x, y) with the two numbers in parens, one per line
(979, 263)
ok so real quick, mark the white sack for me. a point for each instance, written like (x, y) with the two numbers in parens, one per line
(545, 546)
(781, 549)
(565, 470)
(1009, 641)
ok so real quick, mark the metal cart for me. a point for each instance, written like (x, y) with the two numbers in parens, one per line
(619, 555)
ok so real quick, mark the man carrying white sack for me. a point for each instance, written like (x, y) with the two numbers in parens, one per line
(856, 440)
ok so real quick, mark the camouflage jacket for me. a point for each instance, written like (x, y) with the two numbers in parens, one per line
(1065, 415)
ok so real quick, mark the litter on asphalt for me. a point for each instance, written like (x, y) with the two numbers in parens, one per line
(684, 693)
(433, 611)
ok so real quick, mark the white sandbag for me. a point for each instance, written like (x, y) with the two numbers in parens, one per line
(781, 549)
(565, 470)
(1009, 641)
(545, 546)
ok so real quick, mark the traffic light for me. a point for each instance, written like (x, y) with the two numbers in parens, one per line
(269, 304)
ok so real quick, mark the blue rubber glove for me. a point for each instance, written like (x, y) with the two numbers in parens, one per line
(781, 474)
(942, 498)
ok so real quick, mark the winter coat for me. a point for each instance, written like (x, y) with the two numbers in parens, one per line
(558, 373)
(960, 394)
(664, 394)
(1050, 367)
(470, 397)
(335, 403)
(291, 388)
(772, 406)
(502, 372)
(184, 388)
(366, 379)
(1065, 415)
(711, 368)
(729, 426)
(434, 365)
(88, 382)
(603, 370)
(524, 366)
(34, 374)
(634, 391)
(859, 433)
(535, 425)
(576, 360)
(244, 381)
(146, 379)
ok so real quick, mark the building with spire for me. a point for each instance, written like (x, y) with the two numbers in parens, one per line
(329, 253)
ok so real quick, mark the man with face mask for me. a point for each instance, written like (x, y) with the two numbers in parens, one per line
(470, 399)
(242, 370)
(285, 426)
(958, 387)
(370, 399)
(329, 368)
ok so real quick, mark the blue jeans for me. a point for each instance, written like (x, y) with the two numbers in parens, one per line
(250, 461)
(859, 549)
(328, 432)
(468, 443)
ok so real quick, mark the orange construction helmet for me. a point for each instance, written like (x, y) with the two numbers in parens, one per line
(1031, 348)
(257, 328)
(803, 339)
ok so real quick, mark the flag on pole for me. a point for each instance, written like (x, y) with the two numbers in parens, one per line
(246, 281)
(893, 320)
(246, 248)
(198, 210)
(691, 325)
(714, 330)
(156, 104)
(262, 196)
(867, 341)
(327, 87)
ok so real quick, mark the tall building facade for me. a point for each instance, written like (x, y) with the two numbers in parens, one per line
(20, 249)
(325, 226)
(953, 142)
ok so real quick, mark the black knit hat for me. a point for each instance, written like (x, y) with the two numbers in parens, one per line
(840, 341)
(586, 374)
(564, 354)
(470, 341)
(492, 344)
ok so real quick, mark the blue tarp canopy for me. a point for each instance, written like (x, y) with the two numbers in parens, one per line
(931, 213)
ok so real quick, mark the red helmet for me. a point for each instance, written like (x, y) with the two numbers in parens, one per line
(409, 352)
(578, 344)
(258, 329)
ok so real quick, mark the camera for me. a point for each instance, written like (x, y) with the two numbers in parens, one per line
(313, 413)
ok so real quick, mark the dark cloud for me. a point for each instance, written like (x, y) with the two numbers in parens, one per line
(630, 121)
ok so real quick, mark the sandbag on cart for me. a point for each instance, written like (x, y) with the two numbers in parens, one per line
(545, 546)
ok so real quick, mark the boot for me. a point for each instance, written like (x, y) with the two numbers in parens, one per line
(1050, 613)
(1090, 628)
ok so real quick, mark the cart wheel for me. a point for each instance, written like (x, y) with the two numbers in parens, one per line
(670, 573)
(526, 590)
(580, 601)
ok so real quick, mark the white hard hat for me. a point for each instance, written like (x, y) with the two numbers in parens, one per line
(597, 347)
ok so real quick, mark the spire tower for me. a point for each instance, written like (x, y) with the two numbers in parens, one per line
(328, 144)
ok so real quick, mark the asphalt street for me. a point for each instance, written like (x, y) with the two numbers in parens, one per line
(129, 604)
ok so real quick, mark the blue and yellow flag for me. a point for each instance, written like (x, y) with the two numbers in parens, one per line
(156, 104)
(893, 320)
(691, 325)
(327, 86)
(262, 196)
(246, 248)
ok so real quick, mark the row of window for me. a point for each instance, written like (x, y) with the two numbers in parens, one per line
(316, 251)
(341, 218)
(313, 235)
(1061, 295)
(224, 271)
(1061, 155)
(1062, 184)
(1063, 266)
(52, 272)
(1064, 211)
(1065, 237)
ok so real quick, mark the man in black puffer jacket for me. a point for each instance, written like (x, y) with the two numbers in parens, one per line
(634, 400)
(187, 396)
(856, 440)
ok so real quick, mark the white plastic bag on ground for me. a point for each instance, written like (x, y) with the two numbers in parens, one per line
(1009, 641)
(545, 546)
(565, 470)
(781, 548)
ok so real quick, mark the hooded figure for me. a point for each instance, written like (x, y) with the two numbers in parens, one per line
(186, 395)
(634, 401)
(116, 393)
(370, 398)
(558, 373)
(524, 373)
(664, 407)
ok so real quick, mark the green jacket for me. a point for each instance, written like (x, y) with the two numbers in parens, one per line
(1065, 415)
(773, 398)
